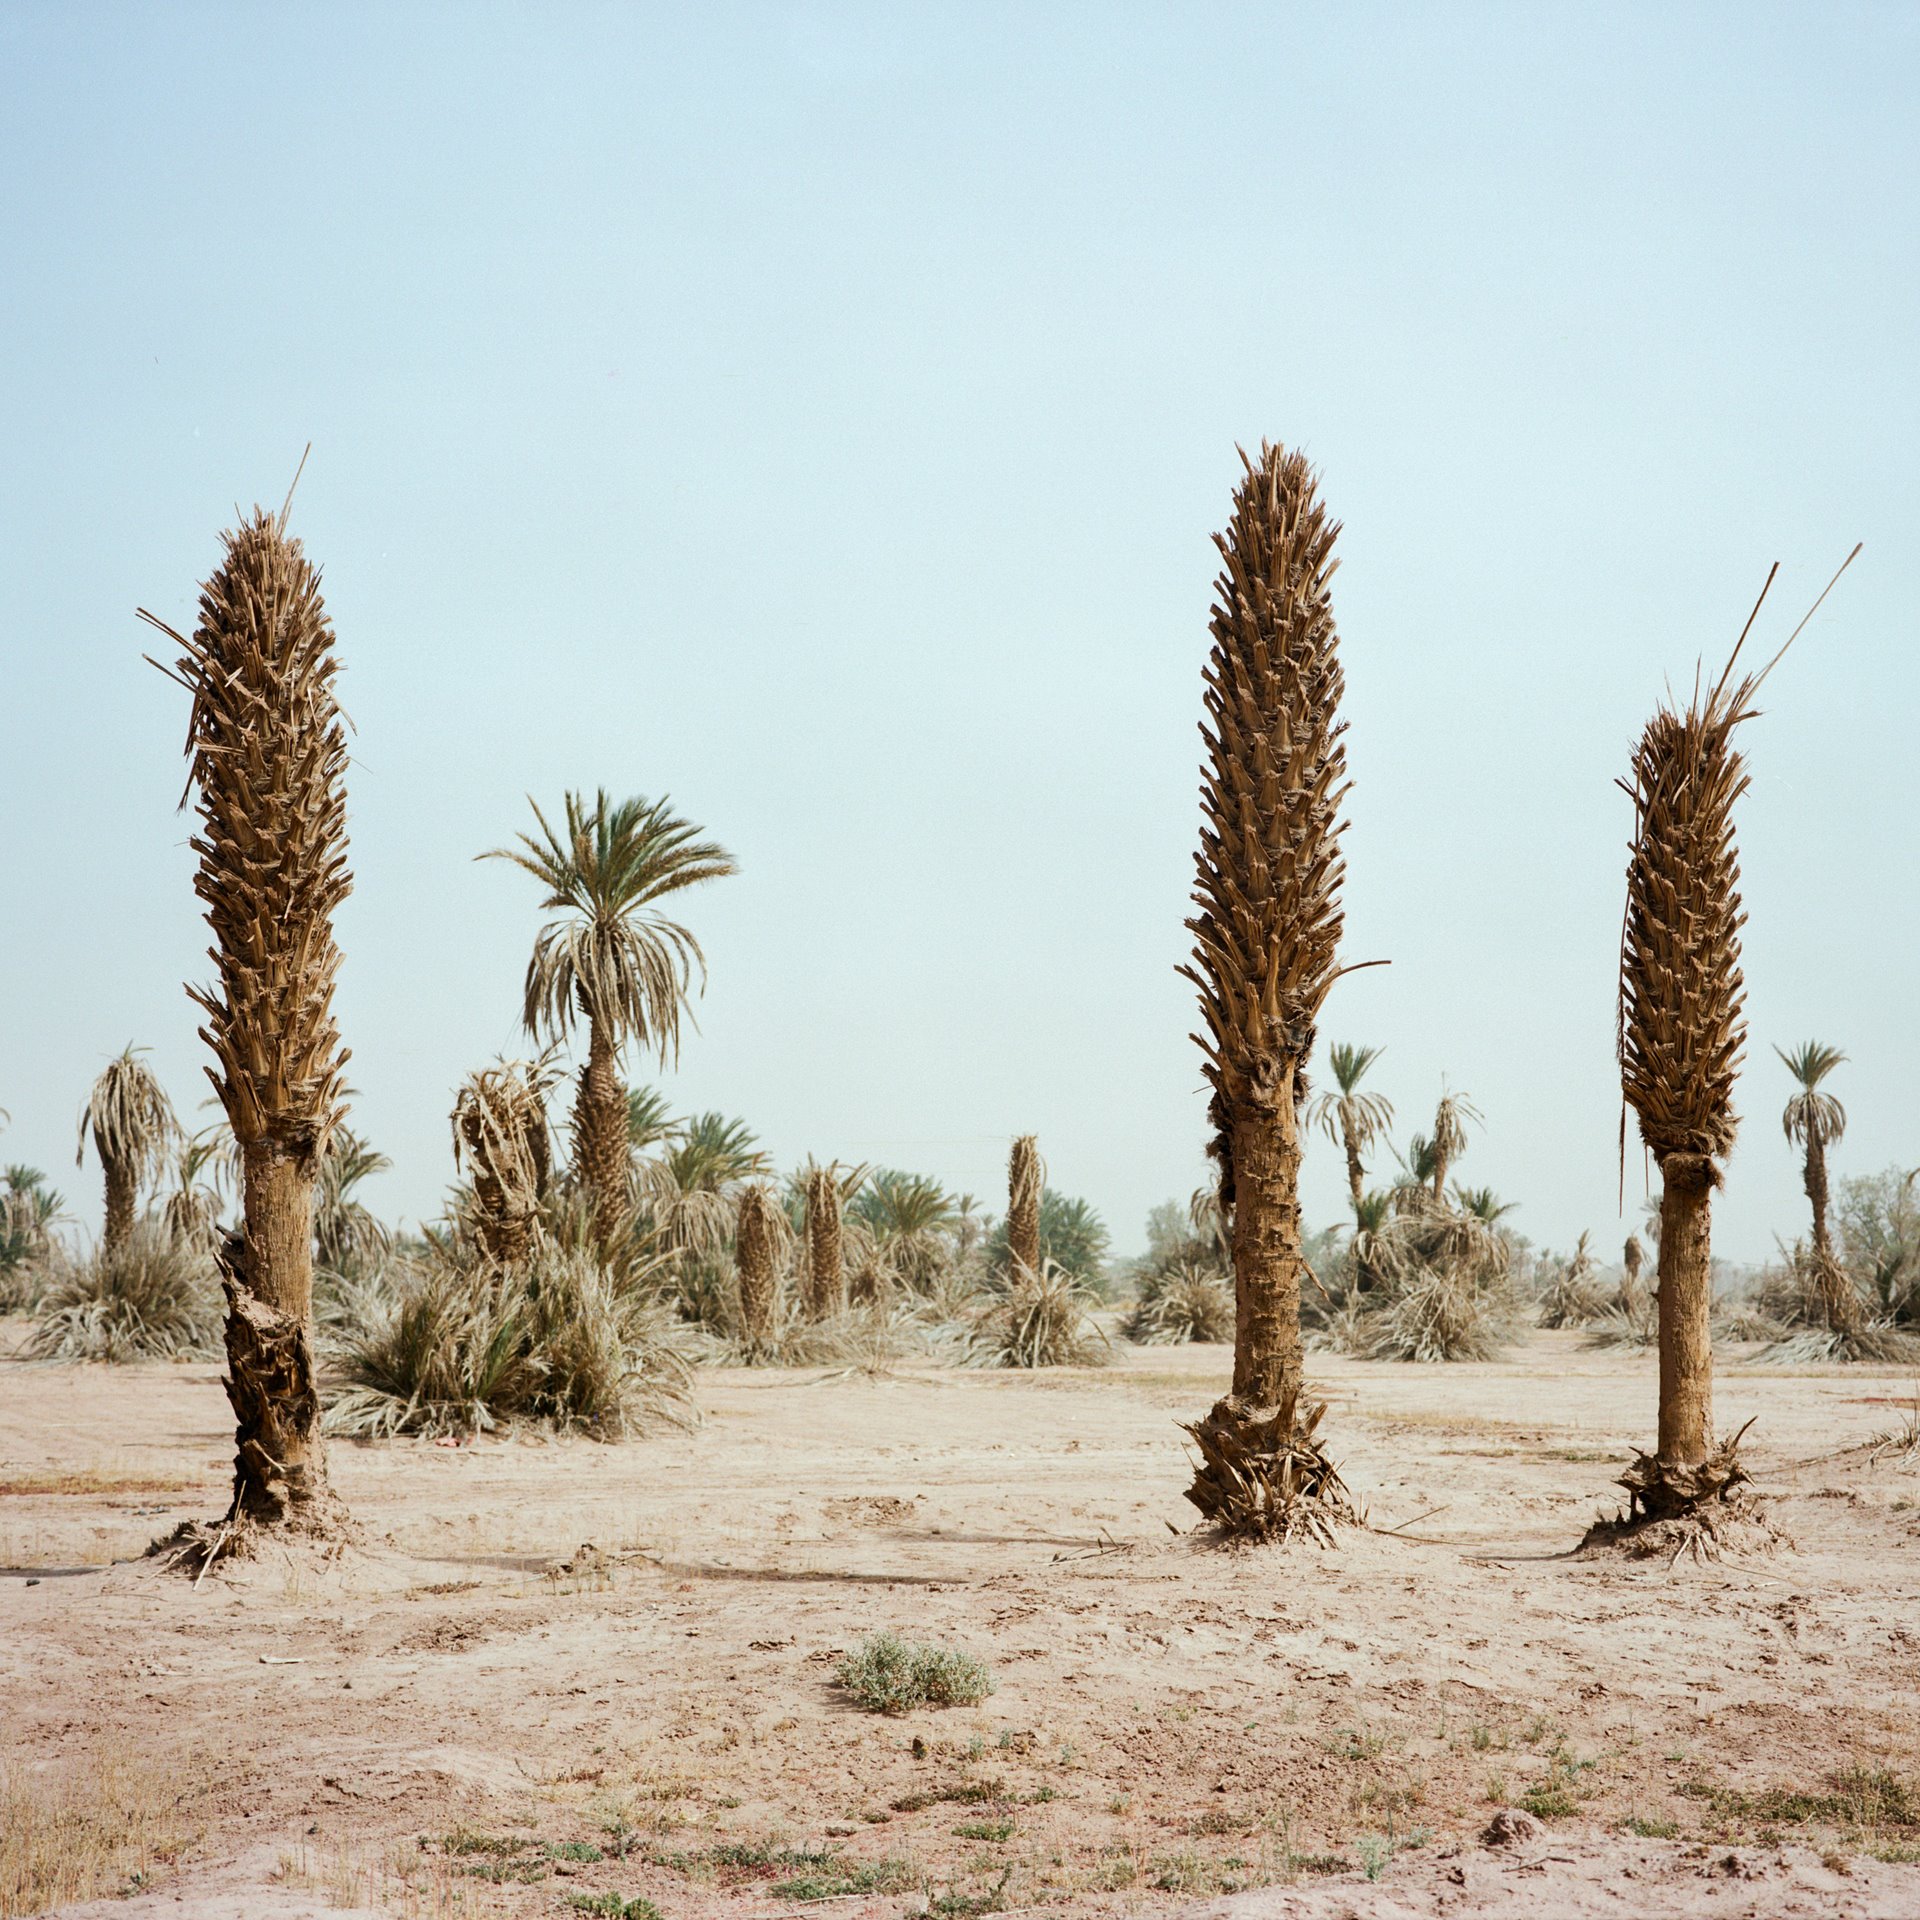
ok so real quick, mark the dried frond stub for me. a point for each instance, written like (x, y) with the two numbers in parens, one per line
(268, 746)
(1267, 1477)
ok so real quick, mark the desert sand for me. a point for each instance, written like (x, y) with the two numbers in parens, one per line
(560, 1677)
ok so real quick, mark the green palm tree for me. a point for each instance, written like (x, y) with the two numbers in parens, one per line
(612, 957)
(1814, 1120)
(1350, 1118)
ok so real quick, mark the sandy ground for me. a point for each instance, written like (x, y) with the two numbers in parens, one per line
(470, 1717)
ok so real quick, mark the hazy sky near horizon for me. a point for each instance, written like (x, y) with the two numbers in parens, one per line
(819, 414)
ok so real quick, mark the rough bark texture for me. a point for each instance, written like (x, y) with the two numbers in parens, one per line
(600, 1136)
(1686, 1305)
(1025, 1178)
(1268, 1359)
(1837, 1297)
(123, 1185)
(754, 1255)
(826, 1268)
(269, 752)
(1267, 885)
(500, 1133)
(1356, 1172)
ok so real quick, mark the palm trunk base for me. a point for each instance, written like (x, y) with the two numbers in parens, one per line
(281, 1491)
(1263, 1474)
(1675, 1507)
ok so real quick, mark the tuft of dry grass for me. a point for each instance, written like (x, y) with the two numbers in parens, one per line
(83, 1833)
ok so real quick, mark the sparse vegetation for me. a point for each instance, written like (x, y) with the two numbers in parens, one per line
(886, 1674)
(150, 1298)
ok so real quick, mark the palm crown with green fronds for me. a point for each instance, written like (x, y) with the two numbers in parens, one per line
(614, 956)
(1363, 1116)
(1812, 1117)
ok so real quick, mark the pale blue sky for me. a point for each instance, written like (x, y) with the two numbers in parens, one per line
(820, 414)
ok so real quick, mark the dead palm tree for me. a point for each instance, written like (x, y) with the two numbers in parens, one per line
(1633, 1257)
(758, 1234)
(612, 958)
(1026, 1180)
(1430, 1157)
(1681, 1035)
(1350, 1118)
(500, 1137)
(1814, 1120)
(133, 1127)
(1267, 885)
(824, 1194)
(268, 751)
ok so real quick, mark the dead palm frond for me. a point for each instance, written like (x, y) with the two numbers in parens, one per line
(1269, 1479)
(268, 750)
(133, 1128)
(1573, 1294)
(500, 1139)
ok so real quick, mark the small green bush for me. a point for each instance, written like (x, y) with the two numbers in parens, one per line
(886, 1674)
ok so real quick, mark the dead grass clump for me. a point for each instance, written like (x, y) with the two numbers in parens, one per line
(150, 1298)
(1042, 1319)
(886, 1674)
(1268, 1477)
(554, 1343)
(104, 1830)
(1450, 1310)
(1185, 1303)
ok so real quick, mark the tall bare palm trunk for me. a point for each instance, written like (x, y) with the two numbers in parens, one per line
(1356, 1171)
(1025, 1178)
(268, 750)
(826, 1258)
(1267, 885)
(1686, 1307)
(1837, 1297)
(1268, 1358)
(600, 1135)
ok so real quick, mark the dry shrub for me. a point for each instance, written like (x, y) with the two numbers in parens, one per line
(1186, 1303)
(150, 1299)
(886, 1674)
(555, 1343)
(1042, 1319)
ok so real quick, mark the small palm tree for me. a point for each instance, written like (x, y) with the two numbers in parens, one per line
(1814, 1120)
(1350, 1118)
(133, 1127)
(760, 1236)
(612, 958)
(824, 1193)
(910, 1218)
(1430, 1158)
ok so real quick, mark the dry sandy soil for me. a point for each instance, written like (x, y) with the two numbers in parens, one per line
(471, 1716)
